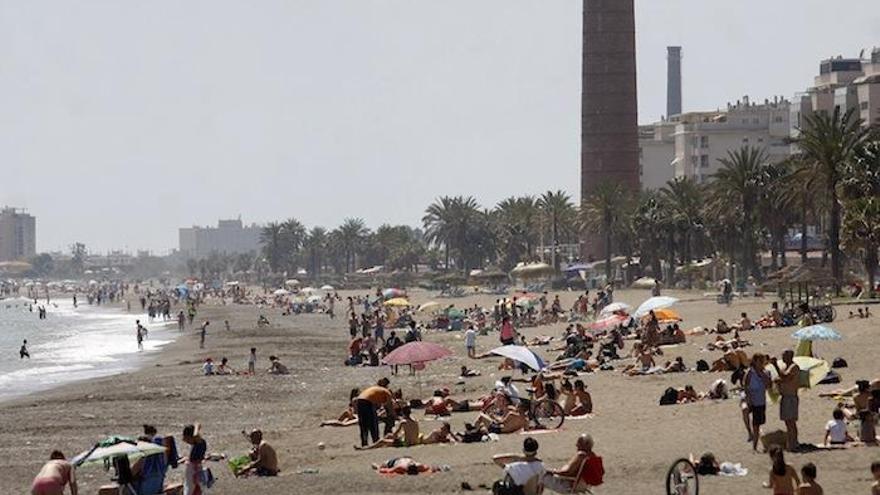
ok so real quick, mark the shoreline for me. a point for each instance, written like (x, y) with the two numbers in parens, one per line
(107, 364)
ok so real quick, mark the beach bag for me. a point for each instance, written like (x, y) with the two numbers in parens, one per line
(206, 478)
(669, 397)
(702, 365)
(506, 486)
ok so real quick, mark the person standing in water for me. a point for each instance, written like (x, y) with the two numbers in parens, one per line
(141, 333)
(23, 352)
(202, 333)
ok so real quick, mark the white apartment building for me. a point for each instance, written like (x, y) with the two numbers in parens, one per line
(842, 83)
(229, 237)
(691, 144)
(18, 234)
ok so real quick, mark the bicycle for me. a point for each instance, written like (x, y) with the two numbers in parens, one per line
(682, 478)
(542, 414)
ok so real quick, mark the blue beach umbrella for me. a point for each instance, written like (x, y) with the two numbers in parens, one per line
(816, 332)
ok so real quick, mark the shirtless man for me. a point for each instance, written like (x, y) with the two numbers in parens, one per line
(264, 460)
(645, 360)
(788, 383)
(584, 399)
(406, 434)
(53, 476)
(513, 421)
(440, 435)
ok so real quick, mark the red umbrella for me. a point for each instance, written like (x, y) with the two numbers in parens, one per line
(416, 352)
(608, 322)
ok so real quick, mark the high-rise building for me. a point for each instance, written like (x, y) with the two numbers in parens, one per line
(609, 109)
(229, 237)
(673, 80)
(18, 234)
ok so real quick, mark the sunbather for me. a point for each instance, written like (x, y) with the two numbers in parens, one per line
(404, 465)
(348, 417)
(406, 434)
(514, 420)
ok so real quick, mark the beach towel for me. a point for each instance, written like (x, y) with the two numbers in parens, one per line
(732, 469)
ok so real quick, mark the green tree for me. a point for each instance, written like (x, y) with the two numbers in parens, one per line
(828, 143)
(351, 234)
(735, 190)
(516, 221)
(315, 244)
(861, 232)
(559, 217)
(601, 213)
(78, 255)
(272, 240)
(43, 264)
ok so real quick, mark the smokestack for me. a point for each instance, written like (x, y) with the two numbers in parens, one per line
(609, 107)
(673, 80)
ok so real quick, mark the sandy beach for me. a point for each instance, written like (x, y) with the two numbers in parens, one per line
(637, 438)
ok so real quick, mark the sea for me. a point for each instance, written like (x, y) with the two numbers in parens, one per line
(71, 344)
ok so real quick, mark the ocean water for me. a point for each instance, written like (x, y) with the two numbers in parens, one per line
(70, 344)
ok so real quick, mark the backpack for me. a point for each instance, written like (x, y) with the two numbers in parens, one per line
(506, 486)
(702, 365)
(669, 397)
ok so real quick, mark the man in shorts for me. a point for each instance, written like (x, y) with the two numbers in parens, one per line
(788, 383)
(755, 385)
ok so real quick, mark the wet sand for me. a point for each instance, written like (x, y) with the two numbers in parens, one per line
(637, 438)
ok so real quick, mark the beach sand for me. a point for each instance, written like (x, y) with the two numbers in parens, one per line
(637, 438)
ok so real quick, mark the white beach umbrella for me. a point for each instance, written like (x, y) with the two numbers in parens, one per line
(654, 303)
(614, 307)
(521, 354)
(129, 448)
(327, 287)
(281, 292)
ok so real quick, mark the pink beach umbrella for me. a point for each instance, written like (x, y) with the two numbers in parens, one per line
(608, 322)
(416, 352)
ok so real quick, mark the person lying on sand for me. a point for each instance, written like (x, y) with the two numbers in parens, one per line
(468, 373)
(676, 366)
(514, 420)
(540, 340)
(440, 435)
(849, 392)
(732, 360)
(348, 417)
(405, 435)
(405, 465)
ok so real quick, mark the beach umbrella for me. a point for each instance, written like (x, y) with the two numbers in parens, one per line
(614, 308)
(393, 293)
(455, 313)
(416, 352)
(653, 304)
(429, 306)
(816, 332)
(813, 370)
(280, 292)
(314, 299)
(532, 270)
(666, 316)
(397, 302)
(308, 290)
(327, 287)
(115, 447)
(609, 322)
(520, 354)
(292, 282)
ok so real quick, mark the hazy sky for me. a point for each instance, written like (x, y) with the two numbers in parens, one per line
(123, 120)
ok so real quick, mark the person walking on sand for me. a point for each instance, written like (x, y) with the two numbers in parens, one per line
(470, 341)
(192, 479)
(54, 475)
(141, 333)
(23, 352)
(202, 333)
(252, 361)
(181, 320)
(756, 383)
(788, 383)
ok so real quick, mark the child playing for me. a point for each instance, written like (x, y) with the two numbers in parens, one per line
(252, 361)
(783, 478)
(809, 486)
(835, 430)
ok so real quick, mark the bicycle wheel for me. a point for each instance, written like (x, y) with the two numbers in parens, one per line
(549, 414)
(682, 479)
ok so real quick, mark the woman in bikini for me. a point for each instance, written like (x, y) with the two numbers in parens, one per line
(348, 417)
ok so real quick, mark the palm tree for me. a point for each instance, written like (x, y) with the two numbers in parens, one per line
(352, 232)
(601, 212)
(828, 143)
(438, 222)
(272, 239)
(683, 199)
(560, 216)
(861, 232)
(772, 208)
(293, 235)
(315, 243)
(648, 222)
(515, 221)
(735, 189)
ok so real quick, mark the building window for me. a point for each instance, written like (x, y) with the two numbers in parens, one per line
(745, 140)
(641, 152)
(756, 120)
(778, 119)
(760, 140)
(704, 161)
(864, 105)
(704, 141)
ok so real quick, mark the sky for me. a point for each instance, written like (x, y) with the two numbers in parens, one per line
(123, 120)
